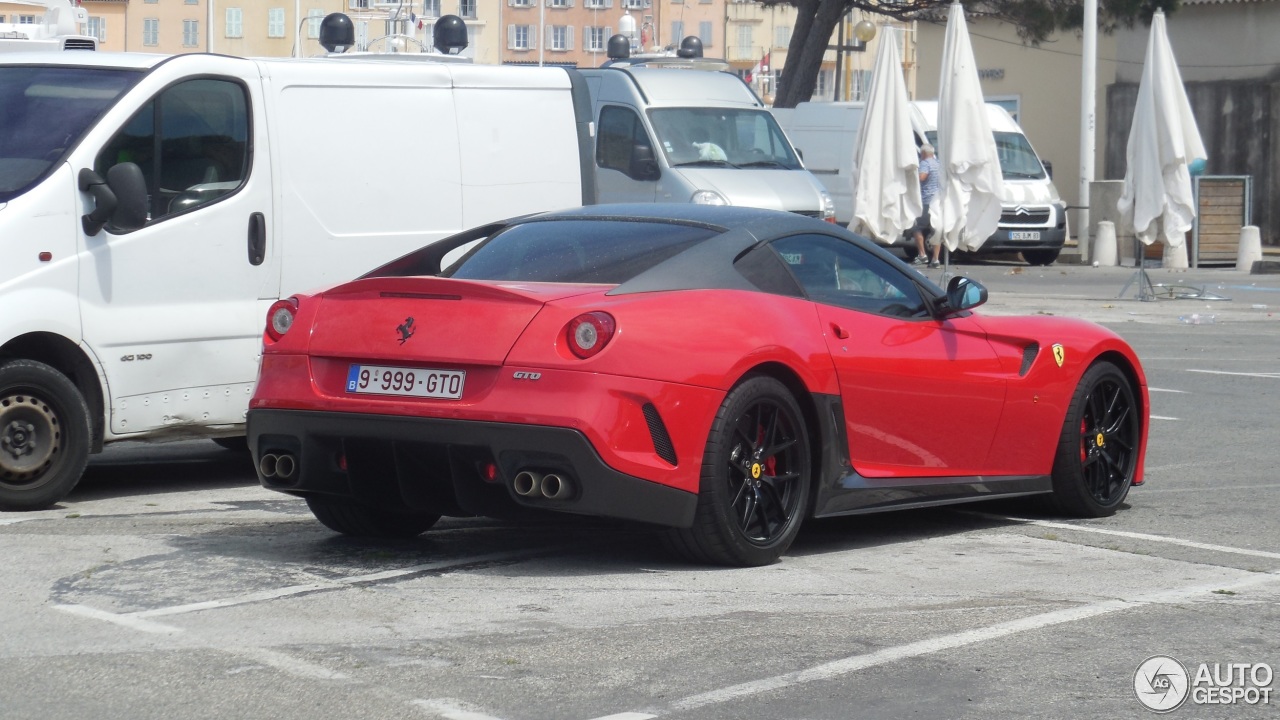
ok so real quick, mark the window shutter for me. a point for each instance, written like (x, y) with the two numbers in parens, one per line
(511, 36)
(608, 33)
(568, 38)
(550, 30)
(608, 4)
(568, 3)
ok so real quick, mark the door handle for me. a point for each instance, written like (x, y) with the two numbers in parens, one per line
(257, 238)
(839, 331)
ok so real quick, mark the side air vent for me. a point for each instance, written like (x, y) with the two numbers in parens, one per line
(661, 440)
(1029, 354)
(79, 44)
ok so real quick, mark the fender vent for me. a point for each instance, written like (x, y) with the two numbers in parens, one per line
(658, 431)
(1029, 354)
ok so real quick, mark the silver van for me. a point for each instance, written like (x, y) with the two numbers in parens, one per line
(668, 134)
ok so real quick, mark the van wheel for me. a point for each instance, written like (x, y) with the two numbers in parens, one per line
(1040, 257)
(44, 435)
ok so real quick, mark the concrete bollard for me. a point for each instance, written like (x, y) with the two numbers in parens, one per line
(1250, 248)
(1175, 257)
(1104, 245)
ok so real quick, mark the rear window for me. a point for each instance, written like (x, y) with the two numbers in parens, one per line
(577, 251)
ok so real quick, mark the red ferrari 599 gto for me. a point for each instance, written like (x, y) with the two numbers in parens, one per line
(723, 372)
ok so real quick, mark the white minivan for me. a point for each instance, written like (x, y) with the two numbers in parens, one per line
(1033, 220)
(153, 208)
(670, 134)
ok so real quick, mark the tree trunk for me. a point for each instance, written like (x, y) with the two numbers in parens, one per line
(815, 21)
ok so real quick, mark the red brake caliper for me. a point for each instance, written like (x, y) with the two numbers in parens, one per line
(1084, 431)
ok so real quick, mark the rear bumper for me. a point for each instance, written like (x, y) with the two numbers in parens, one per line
(435, 465)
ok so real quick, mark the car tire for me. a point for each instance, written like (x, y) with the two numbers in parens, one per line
(1098, 450)
(756, 477)
(44, 435)
(1041, 257)
(239, 443)
(349, 518)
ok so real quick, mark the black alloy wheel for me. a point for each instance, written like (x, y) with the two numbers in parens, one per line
(755, 479)
(1098, 449)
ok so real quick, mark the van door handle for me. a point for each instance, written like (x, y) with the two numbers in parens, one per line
(257, 238)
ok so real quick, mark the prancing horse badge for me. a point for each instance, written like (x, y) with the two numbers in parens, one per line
(1059, 355)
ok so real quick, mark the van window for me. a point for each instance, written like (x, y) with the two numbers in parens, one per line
(722, 136)
(200, 152)
(44, 111)
(1017, 160)
(620, 131)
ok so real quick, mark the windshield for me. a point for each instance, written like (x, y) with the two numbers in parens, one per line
(1017, 160)
(43, 113)
(720, 137)
(577, 251)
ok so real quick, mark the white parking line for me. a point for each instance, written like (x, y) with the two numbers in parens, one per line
(1243, 374)
(1156, 389)
(451, 709)
(1130, 535)
(845, 666)
(285, 663)
(627, 716)
(291, 590)
(129, 621)
(1162, 417)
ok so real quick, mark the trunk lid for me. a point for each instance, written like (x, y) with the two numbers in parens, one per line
(430, 320)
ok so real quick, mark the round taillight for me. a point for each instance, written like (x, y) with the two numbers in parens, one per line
(588, 333)
(280, 317)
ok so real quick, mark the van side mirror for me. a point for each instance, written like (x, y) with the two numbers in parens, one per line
(121, 199)
(1048, 168)
(643, 164)
(126, 181)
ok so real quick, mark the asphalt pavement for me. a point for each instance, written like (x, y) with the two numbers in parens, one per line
(169, 585)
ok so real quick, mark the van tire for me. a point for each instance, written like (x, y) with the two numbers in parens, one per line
(1041, 257)
(44, 435)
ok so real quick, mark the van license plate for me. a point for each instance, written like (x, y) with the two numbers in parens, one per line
(1024, 235)
(414, 382)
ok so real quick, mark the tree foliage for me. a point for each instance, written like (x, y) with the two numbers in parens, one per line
(1035, 21)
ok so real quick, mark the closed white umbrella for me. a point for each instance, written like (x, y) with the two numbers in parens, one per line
(1163, 141)
(967, 209)
(886, 176)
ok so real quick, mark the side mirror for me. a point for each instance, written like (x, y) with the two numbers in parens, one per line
(121, 199)
(130, 187)
(643, 164)
(1048, 168)
(800, 154)
(964, 294)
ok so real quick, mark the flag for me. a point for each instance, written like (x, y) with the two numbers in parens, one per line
(761, 68)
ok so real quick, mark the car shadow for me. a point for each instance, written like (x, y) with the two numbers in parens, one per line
(135, 468)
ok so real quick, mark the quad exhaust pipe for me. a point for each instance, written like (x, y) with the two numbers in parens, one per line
(533, 484)
(281, 466)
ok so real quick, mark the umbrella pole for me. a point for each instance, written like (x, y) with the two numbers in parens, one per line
(1146, 291)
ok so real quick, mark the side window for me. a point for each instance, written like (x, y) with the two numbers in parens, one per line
(191, 142)
(837, 272)
(620, 131)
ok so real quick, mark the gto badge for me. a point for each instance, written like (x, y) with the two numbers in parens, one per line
(1059, 355)
(406, 330)
(526, 375)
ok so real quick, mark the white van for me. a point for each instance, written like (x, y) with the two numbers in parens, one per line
(153, 208)
(1034, 218)
(679, 135)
